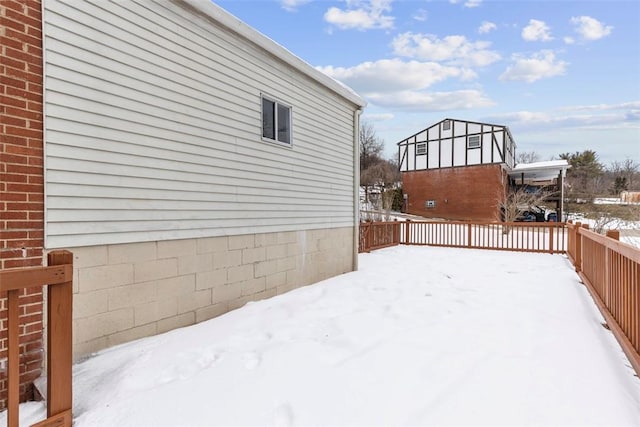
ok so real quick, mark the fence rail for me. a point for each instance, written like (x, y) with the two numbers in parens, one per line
(610, 270)
(57, 277)
(377, 235)
(509, 236)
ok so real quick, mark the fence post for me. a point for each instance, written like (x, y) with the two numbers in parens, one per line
(614, 234)
(578, 254)
(551, 246)
(59, 340)
(469, 234)
(407, 226)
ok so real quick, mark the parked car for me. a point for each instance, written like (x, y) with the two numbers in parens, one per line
(536, 213)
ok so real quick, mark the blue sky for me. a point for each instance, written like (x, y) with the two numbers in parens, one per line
(563, 75)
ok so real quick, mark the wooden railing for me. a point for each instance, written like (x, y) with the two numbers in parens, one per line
(57, 277)
(549, 237)
(377, 235)
(512, 236)
(610, 270)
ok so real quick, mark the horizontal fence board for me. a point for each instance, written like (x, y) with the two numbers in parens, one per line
(37, 276)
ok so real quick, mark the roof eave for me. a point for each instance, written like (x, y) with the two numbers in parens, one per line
(235, 25)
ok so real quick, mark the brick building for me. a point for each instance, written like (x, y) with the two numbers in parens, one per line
(21, 169)
(456, 169)
(461, 170)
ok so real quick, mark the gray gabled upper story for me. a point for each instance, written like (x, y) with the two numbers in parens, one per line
(452, 143)
(173, 119)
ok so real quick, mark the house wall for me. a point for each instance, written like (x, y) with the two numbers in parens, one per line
(461, 193)
(128, 291)
(153, 131)
(441, 146)
(21, 177)
(159, 181)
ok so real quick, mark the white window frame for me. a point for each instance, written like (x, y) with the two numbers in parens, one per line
(421, 149)
(277, 103)
(474, 141)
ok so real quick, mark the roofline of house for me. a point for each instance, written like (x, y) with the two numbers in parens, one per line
(224, 18)
(464, 121)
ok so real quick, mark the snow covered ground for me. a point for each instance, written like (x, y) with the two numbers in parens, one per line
(418, 336)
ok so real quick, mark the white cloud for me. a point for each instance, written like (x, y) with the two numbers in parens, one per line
(403, 85)
(468, 3)
(378, 117)
(292, 5)
(602, 116)
(633, 105)
(540, 65)
(453, 49)
(420, 15)
(392, 75)
(536, 31)
(590, 28)
(431, 101)
(569, 40)
(486, 27)
(361, 15)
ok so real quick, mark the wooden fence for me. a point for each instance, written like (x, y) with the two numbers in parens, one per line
(550, 237)
(513, 236)
(57, 277)
(610, 270)
(377, 235)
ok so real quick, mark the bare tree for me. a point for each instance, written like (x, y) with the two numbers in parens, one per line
(527, 157)
(370, 146)
(627, 169)
(514, 202)
(381, 174)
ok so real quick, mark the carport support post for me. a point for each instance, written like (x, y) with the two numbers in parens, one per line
(561, 201)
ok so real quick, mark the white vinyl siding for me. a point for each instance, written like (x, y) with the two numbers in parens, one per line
(153, 131)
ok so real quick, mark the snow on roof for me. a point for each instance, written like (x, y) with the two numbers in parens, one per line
(551, 164)
(234, 24)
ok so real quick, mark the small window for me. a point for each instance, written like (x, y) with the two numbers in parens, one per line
(421, 148)
(276, 121)
(446, 125)
(473, 141)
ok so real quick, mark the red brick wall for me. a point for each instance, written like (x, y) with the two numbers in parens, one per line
(21, 172)
(461, 193)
